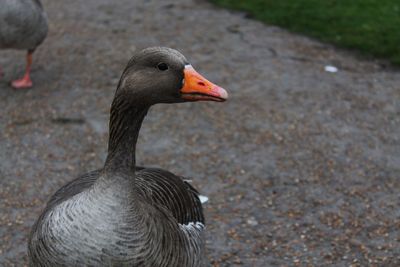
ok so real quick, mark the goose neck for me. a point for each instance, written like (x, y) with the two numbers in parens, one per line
(125, 122)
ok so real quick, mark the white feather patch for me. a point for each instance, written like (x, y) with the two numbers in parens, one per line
(203, 199)
(198, 226)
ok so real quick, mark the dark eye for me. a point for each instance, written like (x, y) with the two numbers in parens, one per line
(162, 66)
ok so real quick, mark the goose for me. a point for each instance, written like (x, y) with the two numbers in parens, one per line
(23, 25)
(123, 214)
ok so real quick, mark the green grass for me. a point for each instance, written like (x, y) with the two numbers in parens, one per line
(369, 26)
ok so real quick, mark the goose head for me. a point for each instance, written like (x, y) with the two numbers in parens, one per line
(163, 75)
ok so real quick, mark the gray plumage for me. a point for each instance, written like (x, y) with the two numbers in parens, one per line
(156, 222)
(23, 24)
(124, 215)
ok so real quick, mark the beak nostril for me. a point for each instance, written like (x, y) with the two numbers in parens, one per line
(201, 84)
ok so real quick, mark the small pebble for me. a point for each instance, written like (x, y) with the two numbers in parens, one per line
(252, 221)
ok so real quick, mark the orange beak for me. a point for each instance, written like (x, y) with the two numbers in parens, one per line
(198, 88)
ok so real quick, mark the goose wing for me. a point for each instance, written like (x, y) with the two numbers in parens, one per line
(173, 193)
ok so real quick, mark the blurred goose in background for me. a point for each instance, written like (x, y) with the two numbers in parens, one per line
(121, 214)
(23, 25)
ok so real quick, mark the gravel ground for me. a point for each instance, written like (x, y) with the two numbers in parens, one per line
(302, 166)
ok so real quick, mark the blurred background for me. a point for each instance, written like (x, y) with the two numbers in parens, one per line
(301, 164)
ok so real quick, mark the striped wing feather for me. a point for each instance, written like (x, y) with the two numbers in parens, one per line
(173, 193)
